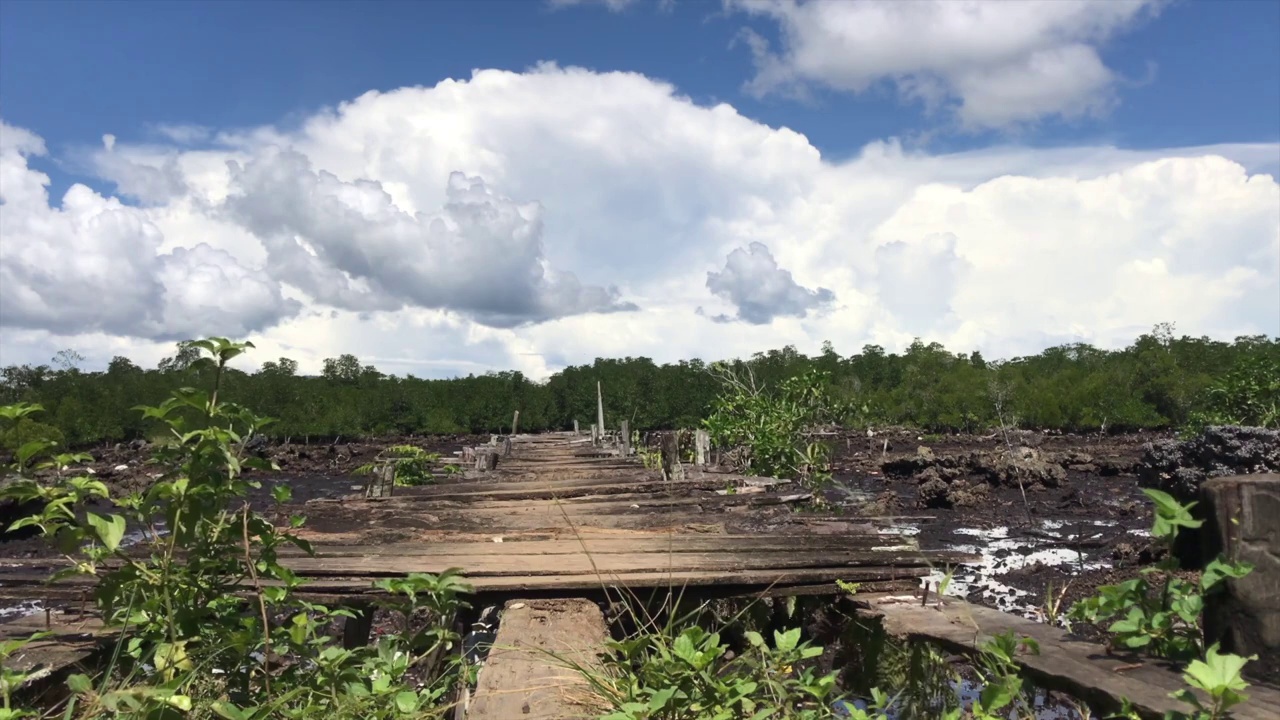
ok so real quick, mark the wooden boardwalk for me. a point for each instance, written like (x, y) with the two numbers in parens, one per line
(555, 519)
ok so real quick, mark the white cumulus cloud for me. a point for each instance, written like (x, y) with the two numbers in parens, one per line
(94, 264)
(993, 63)
(761, 290)
(482, 223)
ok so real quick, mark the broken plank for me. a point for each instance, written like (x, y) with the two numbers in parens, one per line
(1081, 669)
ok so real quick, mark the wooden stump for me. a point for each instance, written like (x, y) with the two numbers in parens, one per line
(382, 481)
(671, 467)
(1244, 524)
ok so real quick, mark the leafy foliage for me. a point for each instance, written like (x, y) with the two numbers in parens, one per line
(188, 644)
(766, 429)
(1248, 394)
(411, 465)
(693, 675)
(1158, 381)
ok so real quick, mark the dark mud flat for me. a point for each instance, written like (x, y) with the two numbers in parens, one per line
(1087, 528)
(313, 471)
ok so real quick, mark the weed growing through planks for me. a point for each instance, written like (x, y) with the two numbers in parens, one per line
(209, 622)
(410, 465)
(693, 674)
(1163, 619)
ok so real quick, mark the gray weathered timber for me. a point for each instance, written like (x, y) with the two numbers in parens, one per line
(1244, 524)
(1082, 669)
(527, 675)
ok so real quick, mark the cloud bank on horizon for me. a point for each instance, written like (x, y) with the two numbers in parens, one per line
(530, 219)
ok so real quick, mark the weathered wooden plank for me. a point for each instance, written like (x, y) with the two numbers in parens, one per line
(72, 588)
(527, 675)
(1082, 669)
(376, 564)
(566, 489)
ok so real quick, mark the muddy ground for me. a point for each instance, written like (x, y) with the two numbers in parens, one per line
(1082, 523)
(1046, 511)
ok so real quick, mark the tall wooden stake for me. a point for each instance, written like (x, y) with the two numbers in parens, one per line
(624, 441)
(515, 423)
(599, 408)
(576, 432)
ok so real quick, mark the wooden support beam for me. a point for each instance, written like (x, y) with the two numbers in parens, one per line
(523, 676)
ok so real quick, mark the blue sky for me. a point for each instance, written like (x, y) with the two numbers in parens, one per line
(1201, 73)
(997, 176)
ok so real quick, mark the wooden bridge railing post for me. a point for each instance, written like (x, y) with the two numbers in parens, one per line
(576, 432)
(595, 434)
(624, 440)
(515, 423)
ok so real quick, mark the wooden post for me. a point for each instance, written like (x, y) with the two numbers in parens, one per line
(595, 434)
(487, 460)
(671, 467)
(702, 447)
(382, 481)
(599, 408)
(624, 441)
(576, 432)
(515, 423)
(506, 448)
(355, 631)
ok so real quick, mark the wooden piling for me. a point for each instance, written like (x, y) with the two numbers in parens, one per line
(515, 423)
(702, 447)
(576, 431)
(599, 407)
(624, 440)
(672, 470)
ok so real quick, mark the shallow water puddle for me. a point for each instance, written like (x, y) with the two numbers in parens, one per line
(1000, 554)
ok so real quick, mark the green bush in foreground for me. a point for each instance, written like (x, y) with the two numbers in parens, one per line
(190, 643)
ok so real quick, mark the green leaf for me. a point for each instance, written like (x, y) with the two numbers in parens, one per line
(79, 683)
(1000, 693)
(229, 711)
(787, 641)
(660, 699)
(31, 449)
(110, 529)
(406, 702)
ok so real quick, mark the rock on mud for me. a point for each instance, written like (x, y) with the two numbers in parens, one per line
(1180, 467)
(965, 480)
